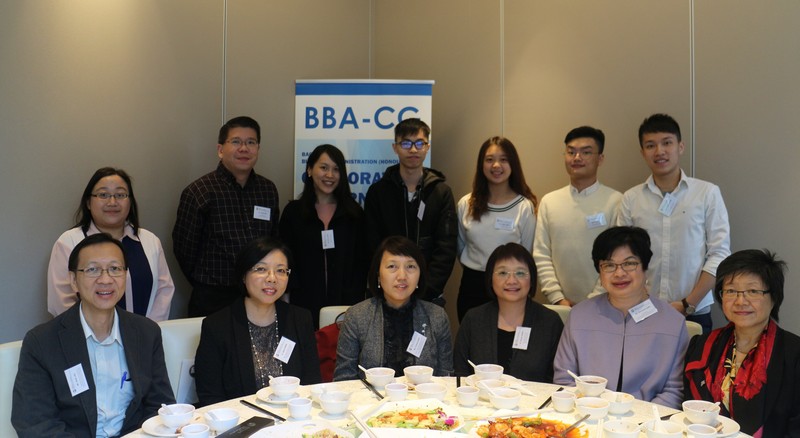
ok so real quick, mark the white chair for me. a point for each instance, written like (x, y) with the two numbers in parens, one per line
(180, 338)
(9, 361)
(563, 311)
(694, 329)
(329, 315)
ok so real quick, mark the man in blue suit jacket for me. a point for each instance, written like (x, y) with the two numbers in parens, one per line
(94, 370)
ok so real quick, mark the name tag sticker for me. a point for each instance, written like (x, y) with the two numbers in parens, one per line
(76, 380)
(643, 310)
(521, 337)
(262, 213)
(421, 210)
(327, 239)
(504, 223)
(668, 205)
(596, 220)
(284, 350)
(416, 344)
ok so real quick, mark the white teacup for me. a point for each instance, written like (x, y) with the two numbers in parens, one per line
(195, 431)
(299, 407)
(396, 391)
(666, 429)
(467, 395)
(563, 401)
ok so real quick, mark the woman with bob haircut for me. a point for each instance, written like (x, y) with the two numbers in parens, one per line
(236, 354)
(377, 332)
(501, 209)
(109, 206)
(487, 332)
(631, 338)
(326, 226)
(751, 367)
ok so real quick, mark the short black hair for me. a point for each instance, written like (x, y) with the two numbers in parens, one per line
(401, 246)
(587, 132)
(94, 239)
(514, 251)
(252, 253)
(238, 122)
(761, 263)
(409, 127)
(659, 123)
(635, 238)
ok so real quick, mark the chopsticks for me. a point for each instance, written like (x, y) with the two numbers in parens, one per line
(262, 410)
(371, 388)
(550, 398)
(362, 425)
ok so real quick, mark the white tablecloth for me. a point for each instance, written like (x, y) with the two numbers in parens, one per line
(362, 400)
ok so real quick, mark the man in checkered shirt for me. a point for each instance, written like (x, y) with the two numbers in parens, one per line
(221, 212)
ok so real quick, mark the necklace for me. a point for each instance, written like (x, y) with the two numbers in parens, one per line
(263, 343)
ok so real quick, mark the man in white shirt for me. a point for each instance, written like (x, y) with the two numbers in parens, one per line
(686, 219)
(94, 370)
(570, 218)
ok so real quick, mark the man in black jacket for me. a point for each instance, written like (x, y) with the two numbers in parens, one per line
(414, 201)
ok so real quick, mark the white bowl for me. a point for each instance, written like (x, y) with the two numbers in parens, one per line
(284, 386)
(505, 398)
(488, 371)
(591, 386)
(226, 418)
(701, 412)
(380, 376)
(596, 407)
(181, 414)
(620, 429)
(491, 383)
(431, 390)
(316, 390)
(334, 402)
(669, 430)
(418, 373)
(620, 403)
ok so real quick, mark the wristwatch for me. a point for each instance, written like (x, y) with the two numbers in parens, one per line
(688, 308)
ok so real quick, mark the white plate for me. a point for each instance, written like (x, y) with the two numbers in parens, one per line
(266, 395)
(154, 426)
(564, 418)
(473, 379)
(297, 429)
(729, 427)
(367, 413)
(411, 433)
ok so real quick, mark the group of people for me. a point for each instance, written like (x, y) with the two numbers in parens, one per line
(633, 266)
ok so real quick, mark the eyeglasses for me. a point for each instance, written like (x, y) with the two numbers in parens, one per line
(418, 144)
(96, 271)
(749, 294)
(264, 272)
(105, 196)
(238, 142)
(573, 153)
(610, 267)
(519, 275)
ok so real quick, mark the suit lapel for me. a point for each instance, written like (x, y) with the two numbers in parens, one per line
(73, 344)
(133, 354)
(242, 343)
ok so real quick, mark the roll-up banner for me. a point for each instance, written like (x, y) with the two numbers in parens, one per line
(358, 117)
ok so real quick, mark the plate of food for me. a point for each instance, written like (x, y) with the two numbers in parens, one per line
(426, 414)
(304, 429)
(544, 425)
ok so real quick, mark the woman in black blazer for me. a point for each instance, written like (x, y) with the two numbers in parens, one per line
(235, 356)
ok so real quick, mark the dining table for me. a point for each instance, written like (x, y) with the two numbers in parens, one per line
(365, 403)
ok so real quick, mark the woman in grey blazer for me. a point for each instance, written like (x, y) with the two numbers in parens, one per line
(378, 331)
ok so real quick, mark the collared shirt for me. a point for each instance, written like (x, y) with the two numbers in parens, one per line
(112, 381)
(694, 238)
(562, 247)
(216, 218)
